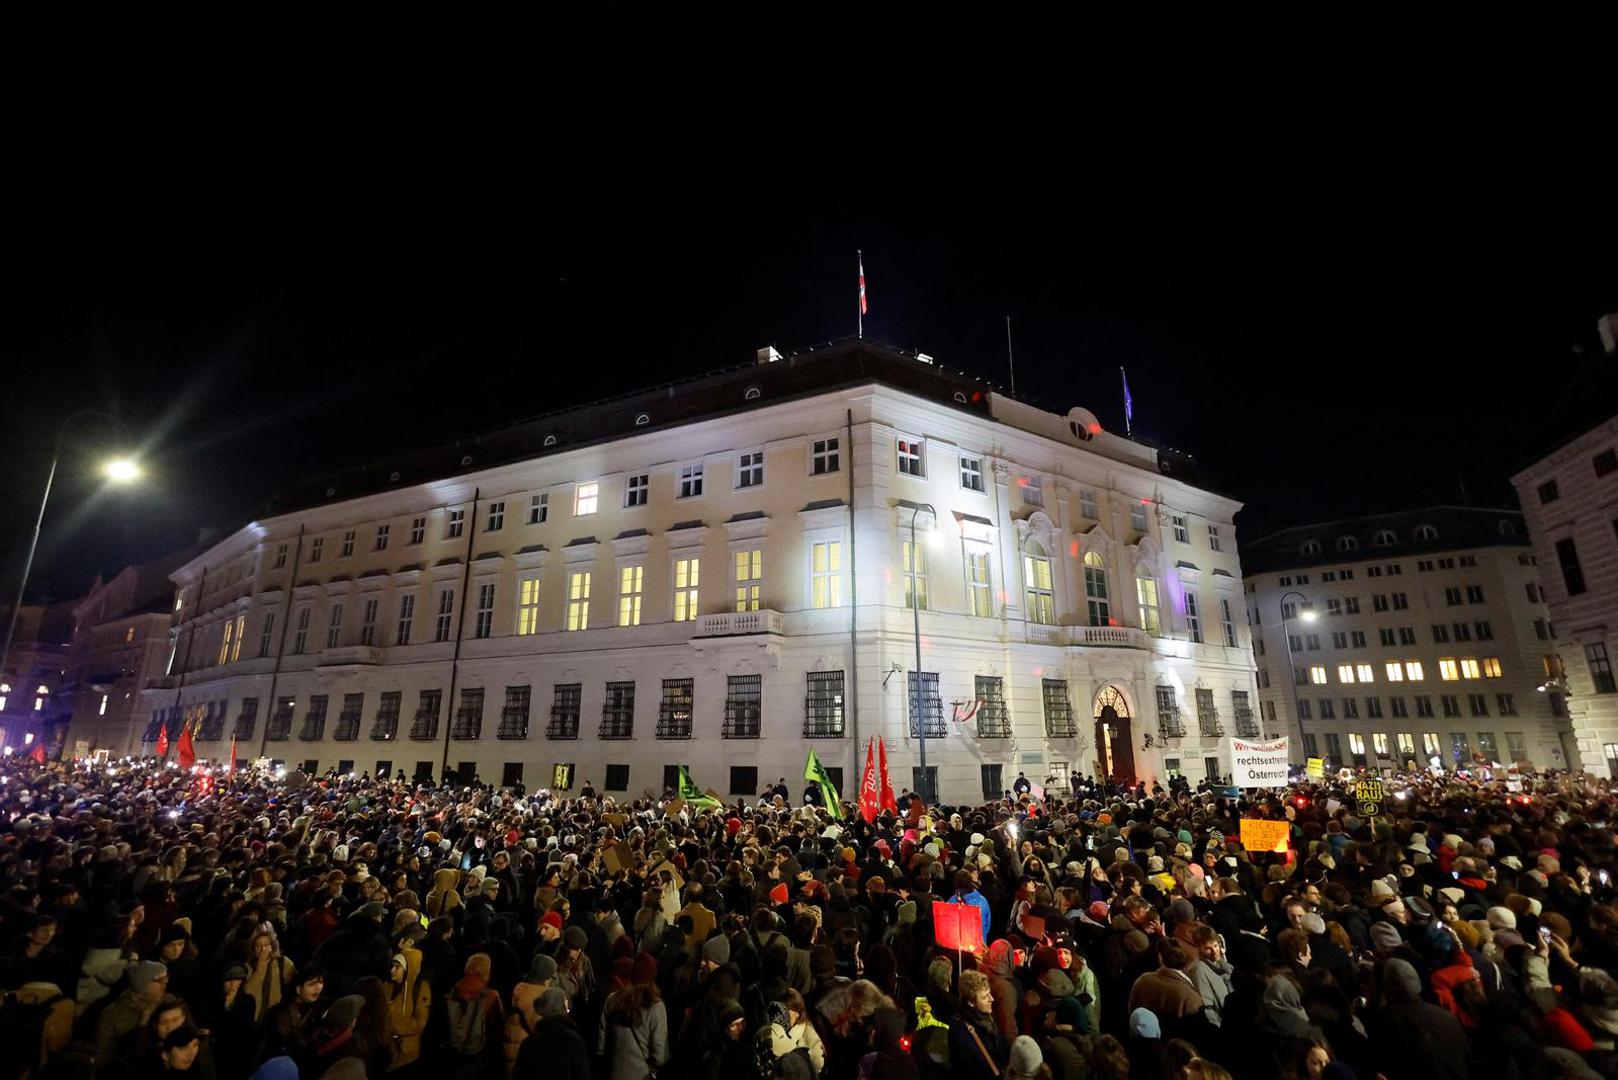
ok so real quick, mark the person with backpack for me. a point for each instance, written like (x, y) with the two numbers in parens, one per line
(522, 1017)
(555, 1050)
(473, 1018)
(634, 1036)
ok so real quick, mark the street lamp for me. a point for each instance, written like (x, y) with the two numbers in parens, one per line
(1307, 614)
(915, 611)
(120, 470)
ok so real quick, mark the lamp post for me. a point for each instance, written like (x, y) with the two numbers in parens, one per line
(915, 611)
(1307, 615)
(118, 471)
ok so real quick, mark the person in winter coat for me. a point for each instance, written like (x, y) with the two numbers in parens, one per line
(1167, 992)
(789, 1029)
(269, 974)
(1411, 1039)
(474, 1023)
(555, 1050)
(121, 1022)
(998, 966)
(634, 1036)
(104, 965)
(357, 950)
(522, 1017)
(231, 1020)
(410, 1002)
(443, 899)
(719, 1048)
(281, 1033)
(977, 1050)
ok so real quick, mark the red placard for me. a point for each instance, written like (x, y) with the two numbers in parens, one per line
(957, 926)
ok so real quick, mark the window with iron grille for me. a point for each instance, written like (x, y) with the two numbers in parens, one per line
(566, 699)
(1246, 725)
(469, 717)
(674, 710)
(1059, 720)
(514, 713)
(425, 725)
(1169, 725)
(314, 721)
(213, 724)
(823, 705)
(744, 698)
(348, 721)
(618, 712)
(247, 719)
(386, 724)
(1208, 715)
(280, 726)
(994, 722)
(926, 707)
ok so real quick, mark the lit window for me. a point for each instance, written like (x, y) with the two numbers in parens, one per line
(630, 579)
(972, 473)
(1095, 589)
(1379, 743)
(225, 642)
(686, 575)
(1413, 671)
(1038, 596)
(1469, 669)
(1356, 745)
(102, 711)
(1363, 671)
(823, 457)
(1317, 674)
(584, 499)
(578, 600)
(919, 553)
(1396, 671)
(750, 469)
(528, 606)
(39, 704)
(129, 634)
(749, 579)
(1491, 667)
(539, 508)
(1146, 595)
(980, 598)
(1345, 673)
(241, 632)
(690, 480)
(637, 490)
(826, 574)
(1448, 670)
(910, 457)
(1407, 744)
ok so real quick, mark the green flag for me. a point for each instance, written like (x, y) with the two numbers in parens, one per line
(814, 770)
(694, 796)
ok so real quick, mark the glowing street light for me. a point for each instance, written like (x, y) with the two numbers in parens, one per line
(121, 470)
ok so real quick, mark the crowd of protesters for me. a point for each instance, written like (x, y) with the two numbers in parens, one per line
(160, 922)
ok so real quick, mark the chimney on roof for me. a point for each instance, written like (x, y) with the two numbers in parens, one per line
(1608, 328)
(768, 355)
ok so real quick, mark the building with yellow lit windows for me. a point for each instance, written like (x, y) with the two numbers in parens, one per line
(1420, 636)
(720, 573)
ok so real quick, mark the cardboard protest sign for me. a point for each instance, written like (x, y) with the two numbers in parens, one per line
(957, 926)
(618, 858)
(674, 807)
(1258, 764)
(1261, 835)
(617, 821)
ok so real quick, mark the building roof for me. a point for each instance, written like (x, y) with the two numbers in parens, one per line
(1589, 399)
(1403, 533)
(782, 377)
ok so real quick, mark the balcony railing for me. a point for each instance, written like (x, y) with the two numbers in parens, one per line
(564, 724)
(741, 722)
(1112, 637)
(1208, 724)
(425, 726)
(616, 724)
(513, 723)
(736, 623)
(349, 655)
(385, 727)
(1059, 720)
(1170, 726)
(468, 723)
(673, 722)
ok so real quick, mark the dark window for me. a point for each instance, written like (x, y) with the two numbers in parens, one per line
(425, 725)
(469, 718)
(823, 705)
(213, 726)
(245, 720)
(383, 767)
(744, 700)
(348, 721)
(1208, 715)
(386, 724)
(1059, 722)
(618, 712)
(1246, 724)
(565, 702)
(671, 777)
(1548, 492)
(926, 787)
(1600, 668)
(617, 778)
(311, 766)
(280, 726)
(835, 773)
(345, 766)
(424, 770)
(1605, 462)
(674, 711)
(991, 782)
(514, 713)
(511, 774)
(993, 720)
(1567, 557)
(467, 771)
(926, 707)
(744, 778)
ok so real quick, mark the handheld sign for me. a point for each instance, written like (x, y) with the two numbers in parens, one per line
(957, 926)
(1261, 835)
(1315, 768)
(1370, 794)
(1258, 764)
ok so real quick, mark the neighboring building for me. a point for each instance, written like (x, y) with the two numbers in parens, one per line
(716, 573)
(120, 642)
(1569, 494)
(1418, 636)
(32, 705)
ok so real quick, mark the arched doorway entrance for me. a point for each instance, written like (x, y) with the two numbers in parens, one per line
(1115, 747)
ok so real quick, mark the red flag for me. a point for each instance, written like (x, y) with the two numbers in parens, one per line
(163, 740)
(38, 753)
(888, 801)
(862, 283)
(188, 755)
(232, 768)
(870, 801)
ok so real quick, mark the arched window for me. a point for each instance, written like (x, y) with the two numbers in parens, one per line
(1347, 543)
(1310, 547)
(1146, 593)
(753, 394)
(1038, 596)
(1385, 538)
(1426, 532)
(1095, 590)
(1507, 528)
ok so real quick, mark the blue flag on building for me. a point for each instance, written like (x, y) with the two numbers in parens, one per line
(1129, 404)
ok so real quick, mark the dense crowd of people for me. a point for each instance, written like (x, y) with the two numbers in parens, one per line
(160, 922)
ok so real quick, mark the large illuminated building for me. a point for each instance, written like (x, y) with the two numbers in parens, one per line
(718, 573)
(1419, 636)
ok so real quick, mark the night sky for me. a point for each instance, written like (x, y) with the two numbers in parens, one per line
(1344, 315)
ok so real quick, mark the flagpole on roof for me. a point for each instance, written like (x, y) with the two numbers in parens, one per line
(859, 306)
(1129, 405)
(1009, 365)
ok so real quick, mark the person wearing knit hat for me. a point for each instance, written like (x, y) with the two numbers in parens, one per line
(1026, 1063)
(1502, 918)
(716, 951)
(574, 937)
(1385, 937)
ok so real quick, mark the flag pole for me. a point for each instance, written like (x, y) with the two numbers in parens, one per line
(1009, 364)
(1128, 408)
(859, 301)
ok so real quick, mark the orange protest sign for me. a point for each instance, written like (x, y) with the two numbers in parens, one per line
(1260, 835)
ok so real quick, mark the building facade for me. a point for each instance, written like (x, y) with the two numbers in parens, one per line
(120, 642)
(1418, 637)
(719, 574)
(1569, 494)
(32, 705)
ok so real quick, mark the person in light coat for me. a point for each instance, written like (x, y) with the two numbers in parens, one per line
(789, 1028)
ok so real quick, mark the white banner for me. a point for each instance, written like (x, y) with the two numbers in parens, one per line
(1258, 764)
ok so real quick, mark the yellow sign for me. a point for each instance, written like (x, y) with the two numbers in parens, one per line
(1316, 768)
(1369, 789)
(1261, 835)
(562, 778)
